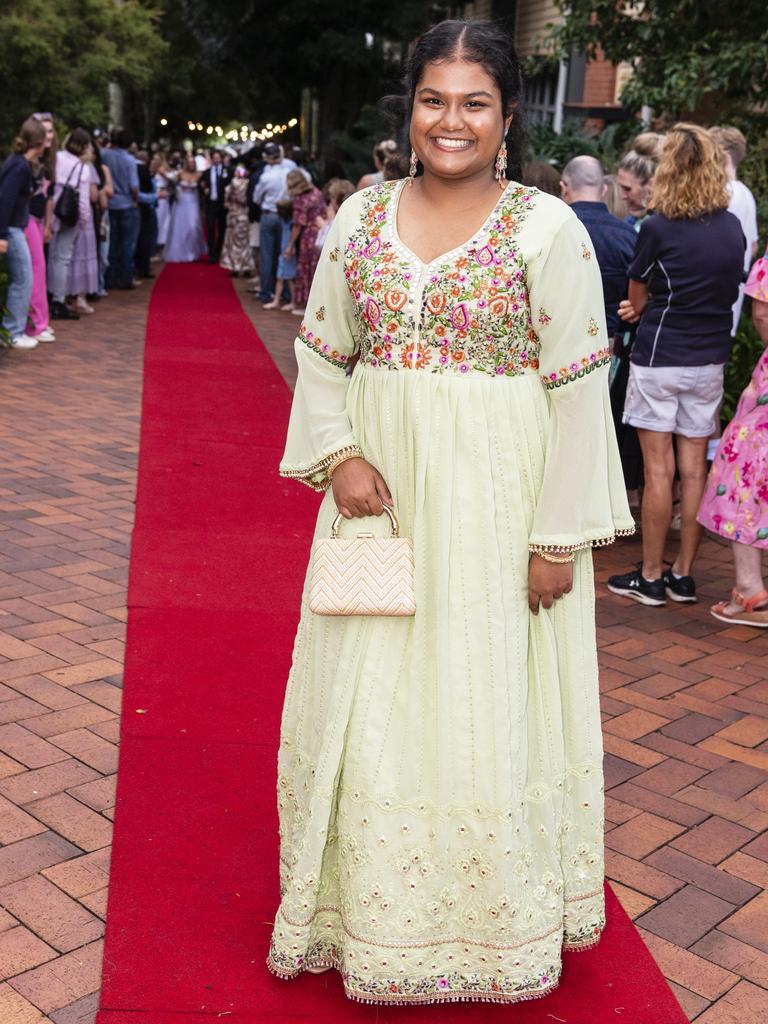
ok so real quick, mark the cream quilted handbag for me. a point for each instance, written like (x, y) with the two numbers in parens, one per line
(363, 575)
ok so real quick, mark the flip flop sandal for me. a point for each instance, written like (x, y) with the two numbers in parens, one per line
(752, 614)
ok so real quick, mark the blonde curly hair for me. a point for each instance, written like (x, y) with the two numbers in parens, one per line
(690, 179)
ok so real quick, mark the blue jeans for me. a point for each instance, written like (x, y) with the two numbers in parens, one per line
(123, 233)
(19, 264)
(271, 233)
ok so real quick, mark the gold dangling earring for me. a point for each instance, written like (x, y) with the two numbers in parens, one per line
(414, 166)
(501, 165)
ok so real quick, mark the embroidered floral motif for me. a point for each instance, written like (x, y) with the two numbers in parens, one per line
(592, 329)
(334, 254)
(413, 904)
(586, 365)
(322, 348)
(320, 314)
(469, 309)
(585, 253)
(449, 986)
(543, 317)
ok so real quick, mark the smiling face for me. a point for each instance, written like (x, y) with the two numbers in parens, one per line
(457, 124)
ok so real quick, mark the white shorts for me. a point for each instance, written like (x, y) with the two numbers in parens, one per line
(674, 399)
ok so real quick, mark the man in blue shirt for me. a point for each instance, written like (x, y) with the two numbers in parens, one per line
(583, 188)
(123, 210)
(271, 188)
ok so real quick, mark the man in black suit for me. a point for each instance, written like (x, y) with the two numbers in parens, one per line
(213, 183)
(145, 244)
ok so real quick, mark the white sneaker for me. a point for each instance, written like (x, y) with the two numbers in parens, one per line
(23, 341)
(46, 335)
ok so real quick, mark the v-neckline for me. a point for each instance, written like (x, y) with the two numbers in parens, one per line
(473, 239)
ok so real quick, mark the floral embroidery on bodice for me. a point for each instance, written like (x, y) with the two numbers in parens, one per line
(466, 311)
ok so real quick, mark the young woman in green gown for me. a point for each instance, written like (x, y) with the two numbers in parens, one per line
(440, 776)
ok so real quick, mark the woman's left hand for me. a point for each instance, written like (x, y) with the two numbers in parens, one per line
(547, 582)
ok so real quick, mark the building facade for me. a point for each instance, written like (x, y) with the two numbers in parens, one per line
(577, 88)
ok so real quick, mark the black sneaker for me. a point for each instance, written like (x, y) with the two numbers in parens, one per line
(59, 311)
(679, 588)
(635, 585)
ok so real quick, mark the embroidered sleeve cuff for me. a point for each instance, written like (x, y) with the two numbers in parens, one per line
(318, 476)
(567, 548)
(576, 370)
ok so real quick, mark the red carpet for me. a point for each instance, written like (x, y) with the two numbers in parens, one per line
(219, 554)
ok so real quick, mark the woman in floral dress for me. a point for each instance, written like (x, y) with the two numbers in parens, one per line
(735, 503)
(236, 253)
(308, 205)
(440, 776)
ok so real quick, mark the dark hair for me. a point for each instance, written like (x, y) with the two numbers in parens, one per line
(395, 167)
(122, 138)
(78, 141)
(485, 43)
(541, 175)
(285, 208)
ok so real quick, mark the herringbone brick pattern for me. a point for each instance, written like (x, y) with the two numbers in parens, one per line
(69, 419)
(685, 710)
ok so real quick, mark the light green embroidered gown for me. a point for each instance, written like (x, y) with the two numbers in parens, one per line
(440, 777)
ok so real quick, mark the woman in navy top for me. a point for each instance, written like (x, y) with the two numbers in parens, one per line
(684, 280)
(16, 186)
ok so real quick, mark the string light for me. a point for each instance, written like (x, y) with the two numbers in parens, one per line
(243, 133)
(163, 121)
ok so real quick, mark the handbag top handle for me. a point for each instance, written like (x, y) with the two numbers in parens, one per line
(392, 519)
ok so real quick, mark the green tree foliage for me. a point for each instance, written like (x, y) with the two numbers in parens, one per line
(682, 51)
(62, 56)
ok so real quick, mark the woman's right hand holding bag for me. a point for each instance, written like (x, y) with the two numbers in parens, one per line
(359, 489)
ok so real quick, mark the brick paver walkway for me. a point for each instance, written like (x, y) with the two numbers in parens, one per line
(685, 710)
(69, 416)
(685, 703)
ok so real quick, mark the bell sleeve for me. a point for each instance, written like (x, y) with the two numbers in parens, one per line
(319, 431)
(582, 501)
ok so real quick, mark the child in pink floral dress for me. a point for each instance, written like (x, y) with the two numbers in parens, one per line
(735, 502)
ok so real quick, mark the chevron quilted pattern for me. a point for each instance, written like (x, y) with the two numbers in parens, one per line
(362, 576)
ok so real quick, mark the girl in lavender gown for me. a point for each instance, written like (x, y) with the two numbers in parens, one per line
(186, 242)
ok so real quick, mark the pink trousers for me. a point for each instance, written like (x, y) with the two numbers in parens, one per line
(38, 303)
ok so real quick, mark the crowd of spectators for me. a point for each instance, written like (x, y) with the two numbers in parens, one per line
(76, 221)
(674, 263)
(674, 233)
